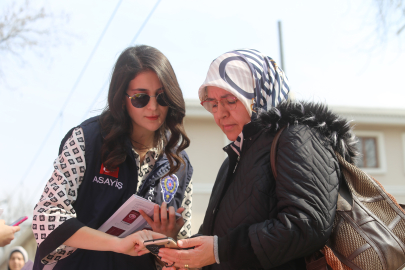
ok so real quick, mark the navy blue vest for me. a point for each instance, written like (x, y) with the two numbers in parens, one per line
(100, 195)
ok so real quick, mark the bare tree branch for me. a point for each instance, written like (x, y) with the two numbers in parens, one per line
(26, 27)
(390, 17)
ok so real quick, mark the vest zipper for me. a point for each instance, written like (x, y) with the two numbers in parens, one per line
(147, 180)
(237, 162)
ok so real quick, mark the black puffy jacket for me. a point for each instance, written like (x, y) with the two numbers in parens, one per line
(264, 223)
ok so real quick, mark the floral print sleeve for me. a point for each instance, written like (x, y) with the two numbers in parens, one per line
(185, 232)
(54, 212)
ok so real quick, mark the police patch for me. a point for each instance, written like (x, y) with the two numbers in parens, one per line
(169, 186)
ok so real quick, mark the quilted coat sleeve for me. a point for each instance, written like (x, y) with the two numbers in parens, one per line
(306, 189)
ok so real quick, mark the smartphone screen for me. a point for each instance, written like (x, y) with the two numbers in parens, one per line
(19, 221)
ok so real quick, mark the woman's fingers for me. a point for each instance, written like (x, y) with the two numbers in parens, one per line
(143, 252)
(180, 221)
(172, 219)
(155, 235)
(181, 265)
(156, 216)
(169, 268)
(180, 210)
(201, 255)
(174, 255)
(165, 220)
(142, 236)
(146, 217)
(163, 214)
(190, 242)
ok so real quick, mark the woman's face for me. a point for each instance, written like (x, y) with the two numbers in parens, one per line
(231, 122)
(16, 261)
(149, 118)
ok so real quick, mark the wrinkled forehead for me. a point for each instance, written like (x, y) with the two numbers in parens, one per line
(213, 92)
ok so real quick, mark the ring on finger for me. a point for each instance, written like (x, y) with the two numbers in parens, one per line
(186, 266)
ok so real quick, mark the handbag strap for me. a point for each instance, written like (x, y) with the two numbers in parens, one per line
(273, 152)
(312, 262)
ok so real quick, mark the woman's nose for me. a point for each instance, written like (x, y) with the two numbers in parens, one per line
(222, 110)
(152, 104)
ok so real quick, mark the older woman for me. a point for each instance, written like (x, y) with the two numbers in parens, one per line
(254, 220)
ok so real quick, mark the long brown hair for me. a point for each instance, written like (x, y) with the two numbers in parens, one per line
(115, 122)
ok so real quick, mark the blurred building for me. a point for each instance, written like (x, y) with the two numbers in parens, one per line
(381, 134)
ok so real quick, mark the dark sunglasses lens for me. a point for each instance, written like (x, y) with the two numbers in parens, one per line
(161, 99)
(140, 101)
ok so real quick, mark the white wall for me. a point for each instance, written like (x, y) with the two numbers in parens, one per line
(206, 156)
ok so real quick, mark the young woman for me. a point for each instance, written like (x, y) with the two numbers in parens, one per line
(254, 219)
(129, 149)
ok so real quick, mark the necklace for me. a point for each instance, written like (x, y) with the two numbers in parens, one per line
(144, 146)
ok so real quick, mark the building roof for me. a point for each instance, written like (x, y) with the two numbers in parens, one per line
(360, 115)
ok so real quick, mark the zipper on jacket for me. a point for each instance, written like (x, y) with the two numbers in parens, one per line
(236, 165)
(156, 168)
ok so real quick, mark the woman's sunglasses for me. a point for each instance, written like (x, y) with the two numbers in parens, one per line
(140, 100)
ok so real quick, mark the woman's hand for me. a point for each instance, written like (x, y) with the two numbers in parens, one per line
(164, 221)
(201, 255)
(7, 233)
(133, 244)
(175, 268)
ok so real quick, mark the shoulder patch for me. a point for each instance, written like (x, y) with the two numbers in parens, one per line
(169, 186)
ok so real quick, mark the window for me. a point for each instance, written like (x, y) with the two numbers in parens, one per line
(369, 154)
(371, 147)
(403, 148)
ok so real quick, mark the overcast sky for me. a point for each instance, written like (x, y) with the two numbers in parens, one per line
(331, 55)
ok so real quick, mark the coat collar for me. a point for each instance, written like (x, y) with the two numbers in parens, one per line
(335, 129)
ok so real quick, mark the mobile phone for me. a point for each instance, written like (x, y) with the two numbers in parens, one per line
(19, 221)
(154, 245)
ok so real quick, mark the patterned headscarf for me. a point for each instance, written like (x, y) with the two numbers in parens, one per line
(253, 78)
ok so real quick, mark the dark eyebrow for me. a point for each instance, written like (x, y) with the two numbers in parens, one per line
(145, 90)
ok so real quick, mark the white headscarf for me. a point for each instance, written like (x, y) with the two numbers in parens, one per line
(21, 250)
(253, 78)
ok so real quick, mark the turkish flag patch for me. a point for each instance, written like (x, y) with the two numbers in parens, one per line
(103, 170)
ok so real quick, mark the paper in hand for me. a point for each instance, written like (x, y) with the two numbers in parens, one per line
(1, 211)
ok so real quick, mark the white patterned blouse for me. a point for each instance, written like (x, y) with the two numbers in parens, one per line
(64, 181)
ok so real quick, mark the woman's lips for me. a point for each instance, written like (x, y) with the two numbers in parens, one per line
(155, 117)
(228, 127)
